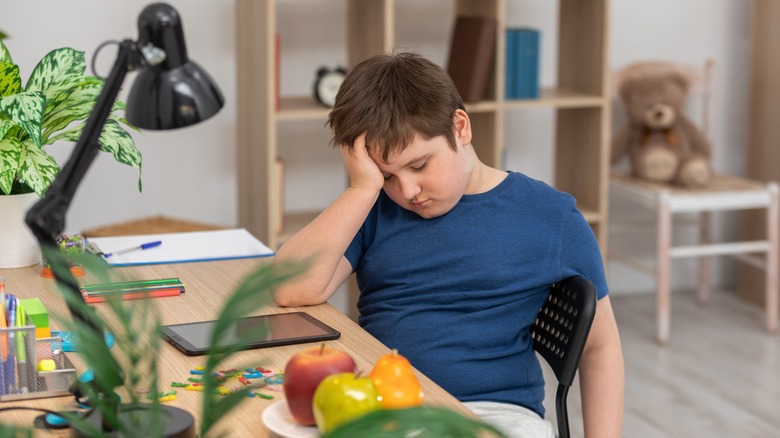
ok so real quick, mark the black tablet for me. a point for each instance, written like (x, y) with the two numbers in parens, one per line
(268, 331)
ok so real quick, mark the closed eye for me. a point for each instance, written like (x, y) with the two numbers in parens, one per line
(420, 167)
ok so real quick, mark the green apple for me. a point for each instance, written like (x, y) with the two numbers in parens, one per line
(342, 397)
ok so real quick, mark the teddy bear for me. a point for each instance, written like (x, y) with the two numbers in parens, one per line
(662, 144)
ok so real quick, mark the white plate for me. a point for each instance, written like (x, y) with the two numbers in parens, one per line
(278, 418)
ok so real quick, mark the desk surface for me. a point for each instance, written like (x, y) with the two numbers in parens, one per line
(207, 285)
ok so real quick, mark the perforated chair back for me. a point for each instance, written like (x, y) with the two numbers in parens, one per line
(559, 334)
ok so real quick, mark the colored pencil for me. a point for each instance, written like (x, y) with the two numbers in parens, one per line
(171, 292)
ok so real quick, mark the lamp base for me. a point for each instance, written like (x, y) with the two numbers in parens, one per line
(177, 423)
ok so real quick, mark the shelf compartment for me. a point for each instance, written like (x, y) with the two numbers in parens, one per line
(301, 108)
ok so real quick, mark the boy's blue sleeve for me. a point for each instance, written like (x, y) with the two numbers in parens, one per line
(580, 253)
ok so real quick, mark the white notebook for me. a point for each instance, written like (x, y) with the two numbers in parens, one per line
(195, 246)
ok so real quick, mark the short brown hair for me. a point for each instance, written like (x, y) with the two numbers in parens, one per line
(391, 98)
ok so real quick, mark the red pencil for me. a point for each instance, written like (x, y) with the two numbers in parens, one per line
(172, 292)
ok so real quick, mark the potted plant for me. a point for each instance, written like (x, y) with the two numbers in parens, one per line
(51, 106)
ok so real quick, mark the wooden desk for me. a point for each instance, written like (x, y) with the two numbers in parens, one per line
(207, 286)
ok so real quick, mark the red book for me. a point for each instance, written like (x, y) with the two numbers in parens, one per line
(471, 55)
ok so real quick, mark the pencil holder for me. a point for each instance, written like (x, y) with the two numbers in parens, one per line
(32, 368)
(71, 247)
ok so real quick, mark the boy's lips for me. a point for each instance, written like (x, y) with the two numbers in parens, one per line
(419, 203)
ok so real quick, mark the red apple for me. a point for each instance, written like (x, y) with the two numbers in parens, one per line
(304, 371)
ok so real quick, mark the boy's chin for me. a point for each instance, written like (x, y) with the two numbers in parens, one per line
(428, 212)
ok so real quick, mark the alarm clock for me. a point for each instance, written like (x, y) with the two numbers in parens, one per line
(327, 83)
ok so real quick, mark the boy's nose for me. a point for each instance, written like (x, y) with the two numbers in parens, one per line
(409, 188)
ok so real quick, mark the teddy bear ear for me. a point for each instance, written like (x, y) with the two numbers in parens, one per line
(680, 80)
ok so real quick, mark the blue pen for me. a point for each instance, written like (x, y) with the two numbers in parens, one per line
(140, 247)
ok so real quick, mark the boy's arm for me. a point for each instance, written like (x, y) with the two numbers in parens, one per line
(324, 241)
(602, 377)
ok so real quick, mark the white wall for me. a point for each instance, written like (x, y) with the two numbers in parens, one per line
(191, 173)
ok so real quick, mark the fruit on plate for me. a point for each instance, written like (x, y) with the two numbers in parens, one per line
(304, 372)
(343, 397)
(395, 381)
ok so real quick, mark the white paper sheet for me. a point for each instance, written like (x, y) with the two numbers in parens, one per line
(196, 246)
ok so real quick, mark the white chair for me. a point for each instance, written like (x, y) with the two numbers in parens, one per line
(725, 193)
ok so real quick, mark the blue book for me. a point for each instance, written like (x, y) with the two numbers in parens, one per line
(524, 78)
(510, 81)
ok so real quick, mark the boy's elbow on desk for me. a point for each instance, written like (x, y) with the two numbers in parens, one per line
(287, 297)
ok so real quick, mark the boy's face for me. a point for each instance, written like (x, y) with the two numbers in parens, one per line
(428, 177)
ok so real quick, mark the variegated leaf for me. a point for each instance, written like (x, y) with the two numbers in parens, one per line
(5, 126)
(38, 169)
(55, 67)
(120, 144)
(10, 152)
(26, 110)
(58, 95)
(124, 121)
(113, 139)
(10, 80)
(76, 108)
(5, 55)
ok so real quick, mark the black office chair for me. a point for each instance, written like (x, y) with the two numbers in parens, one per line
(559, 333)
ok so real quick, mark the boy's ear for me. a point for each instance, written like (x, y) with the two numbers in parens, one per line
(462, 124)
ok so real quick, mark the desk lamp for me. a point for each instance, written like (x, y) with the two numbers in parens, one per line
(170, 91)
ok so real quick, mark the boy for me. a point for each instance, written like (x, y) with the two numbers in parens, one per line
(453, 257)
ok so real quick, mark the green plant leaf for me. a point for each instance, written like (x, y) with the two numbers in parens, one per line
(26, 110)
(419, 422)
(10, 153)
(76, 108)
(71, 91)
(37, 168)
(57, 66)
(120, 144)
(5, 55)
(113, 139)
(5, 126)
(10, 79)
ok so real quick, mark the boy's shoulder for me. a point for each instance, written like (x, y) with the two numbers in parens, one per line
(536, 189)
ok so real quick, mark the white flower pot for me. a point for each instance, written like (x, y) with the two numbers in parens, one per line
(18, 246)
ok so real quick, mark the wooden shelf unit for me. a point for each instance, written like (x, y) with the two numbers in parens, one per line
(580, 100)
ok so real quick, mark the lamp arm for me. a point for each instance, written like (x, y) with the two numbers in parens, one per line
(46, 218)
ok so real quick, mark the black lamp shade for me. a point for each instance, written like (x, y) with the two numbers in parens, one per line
(176, 92)
(171, 99)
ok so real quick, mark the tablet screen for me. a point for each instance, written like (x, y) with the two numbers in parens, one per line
(267, 331)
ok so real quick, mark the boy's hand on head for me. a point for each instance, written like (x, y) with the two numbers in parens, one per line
(362, 170)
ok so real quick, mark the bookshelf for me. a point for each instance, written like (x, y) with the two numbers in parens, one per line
(580, 100)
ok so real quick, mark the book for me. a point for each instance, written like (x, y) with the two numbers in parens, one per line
(510, 66)
(470, 61)
(195, 246)
(522, 69)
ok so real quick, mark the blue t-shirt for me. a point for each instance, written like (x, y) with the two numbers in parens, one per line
(457, 294)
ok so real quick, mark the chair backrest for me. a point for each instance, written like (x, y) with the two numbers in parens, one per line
(700, 80)
(559, 334)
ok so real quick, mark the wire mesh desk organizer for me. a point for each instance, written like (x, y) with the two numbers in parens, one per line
(20, 354)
